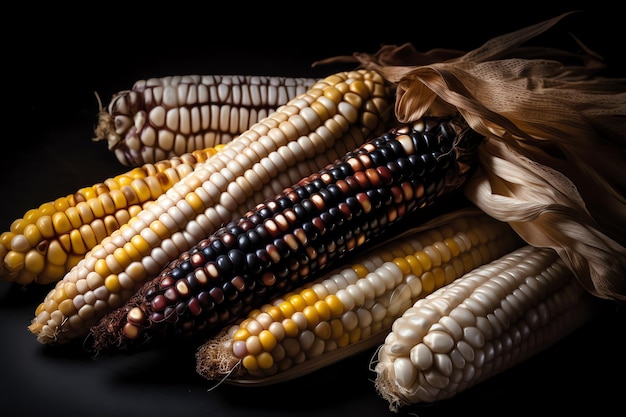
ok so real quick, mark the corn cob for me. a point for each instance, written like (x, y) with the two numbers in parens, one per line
(301, 231)
(49, 240)
(307, 133)
(351, 309)
(492, 318)
(159, 118)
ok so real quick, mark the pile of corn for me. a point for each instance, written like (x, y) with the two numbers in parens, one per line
(286, 224)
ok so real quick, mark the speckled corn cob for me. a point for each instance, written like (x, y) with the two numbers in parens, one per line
(306, 228)
(338, 113)
(351, 309)
(45, 243)
(159, 118)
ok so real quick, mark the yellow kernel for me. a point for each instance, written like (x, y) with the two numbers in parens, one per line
(101, 268)
(59, 295)
(241, 334)
(78, 245)
(61, 204)
(96, 207)
(333, 94)
(354, 335)
(335, 305)
(67, 307)
(323, 330)
(291, 328)
(61, 223)
(195, 202)
(453, 246)
(250, 363)
(34, 261)
(440, 277)
(44, 224)
(360, 269)
(428, 282)
(287, 308)
(403, 264)
(275, 313)
(112, 283)
(14, 261)
(56, 255)
(132, 251)
(141, 244)
(343, 340)
(416, 266)
(267, 339)
(88, 236)
(265, 360)
(424, 260)
(323, 310)
(312, 316)
(298, 302)
(309, 296)
(474, 238)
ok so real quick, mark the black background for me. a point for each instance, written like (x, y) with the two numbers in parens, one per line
(55, 60)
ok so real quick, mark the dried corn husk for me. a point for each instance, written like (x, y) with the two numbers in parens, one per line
(554, 163)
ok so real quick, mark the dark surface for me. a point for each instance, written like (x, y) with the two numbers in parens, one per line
(58, 60)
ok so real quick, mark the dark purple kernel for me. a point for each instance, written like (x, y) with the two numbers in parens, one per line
(169, 314)
(219, 247)
(209, 252)
(217, 295)
(327, 196)
(181, 307)
(224, 264)
(205, 299)
(185, 266)
(176, 273)
(301, 213)
(302, 193)
(238, 260)
(283, 249)
(244, 242)
(328, 220)
(284, 203)
(265, 213)
(230, 292)
(253, 264)
(337, 215)
(264, 258)
(355, 206)
(262, 233)
(255, 219)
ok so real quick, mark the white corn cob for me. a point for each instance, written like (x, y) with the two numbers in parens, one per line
(489, 320)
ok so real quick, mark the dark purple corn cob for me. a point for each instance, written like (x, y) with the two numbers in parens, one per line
(305, 229)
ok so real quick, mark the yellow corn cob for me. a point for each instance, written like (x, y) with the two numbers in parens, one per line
(337, 114)
(492, 318)
(163, 117)
(351, 309)
(46, 242)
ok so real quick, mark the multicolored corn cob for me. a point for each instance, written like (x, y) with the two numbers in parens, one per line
(288, 238)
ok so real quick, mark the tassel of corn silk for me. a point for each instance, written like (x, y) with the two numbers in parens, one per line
(287, 239)
(553, 162)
